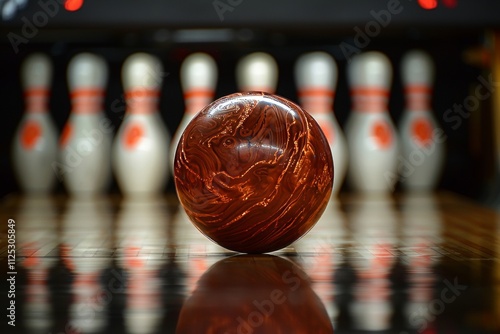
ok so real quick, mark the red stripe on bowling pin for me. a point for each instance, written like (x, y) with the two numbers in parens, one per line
(36, 100)
(316, 92)
(142, 101)
(418, 97)
(87, 101)
(316, 100)
(197, 99)
(199, 93)
(370, 99)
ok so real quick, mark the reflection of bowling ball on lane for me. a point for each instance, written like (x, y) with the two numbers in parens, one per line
(253, 171)
(254, 294)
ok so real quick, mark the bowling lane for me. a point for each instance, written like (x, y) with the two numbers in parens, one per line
(403, 264)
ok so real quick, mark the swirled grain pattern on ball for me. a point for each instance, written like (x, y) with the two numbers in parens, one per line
(253, 171)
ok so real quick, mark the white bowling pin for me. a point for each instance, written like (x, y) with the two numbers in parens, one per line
(316, 77)
(35, 144)
(85, 143)
(371, 137)
(198, 80)
(257, 72)
(422, 141)
(140, 150)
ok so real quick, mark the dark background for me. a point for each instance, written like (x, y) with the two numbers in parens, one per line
(172, 30)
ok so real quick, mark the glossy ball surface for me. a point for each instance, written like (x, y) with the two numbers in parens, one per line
(253, 171)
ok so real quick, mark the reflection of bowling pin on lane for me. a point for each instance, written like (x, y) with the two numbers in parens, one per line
(86, 237)
(141, 252)
(422, 224)
(374, 224)
(257, 72)
(86, 139)
(140, 151)
(321, 245)
(329, 230)
(192, 244)
(35, 143)
(421, 140)
(36, 237)
(198, 80)
(316, 77)
(371, 137)
(374, 220)
(421, 235)
(148, 238)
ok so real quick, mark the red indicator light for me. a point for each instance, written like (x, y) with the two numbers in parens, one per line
(427, 4)
(450, 3)
(73, 5)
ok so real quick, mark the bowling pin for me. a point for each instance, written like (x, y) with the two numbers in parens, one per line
(257, 72)
(198, 80)
(34, 147)
(371, 137)
(316, 77)
(85, 143)
(140, 150)
(422, 142)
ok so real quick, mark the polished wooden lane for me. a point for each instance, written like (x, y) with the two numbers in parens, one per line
(403, 264)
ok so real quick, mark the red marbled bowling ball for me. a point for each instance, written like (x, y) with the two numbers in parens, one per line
(253, 172)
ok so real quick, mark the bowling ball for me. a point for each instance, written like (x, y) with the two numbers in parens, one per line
(254, 294)
(253, 171)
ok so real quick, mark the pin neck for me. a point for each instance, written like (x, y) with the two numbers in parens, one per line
(142, 101)
(197, 99)
(418, 97)
(370, 99)
(87, 100)
(36, 100)
(316, 100)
